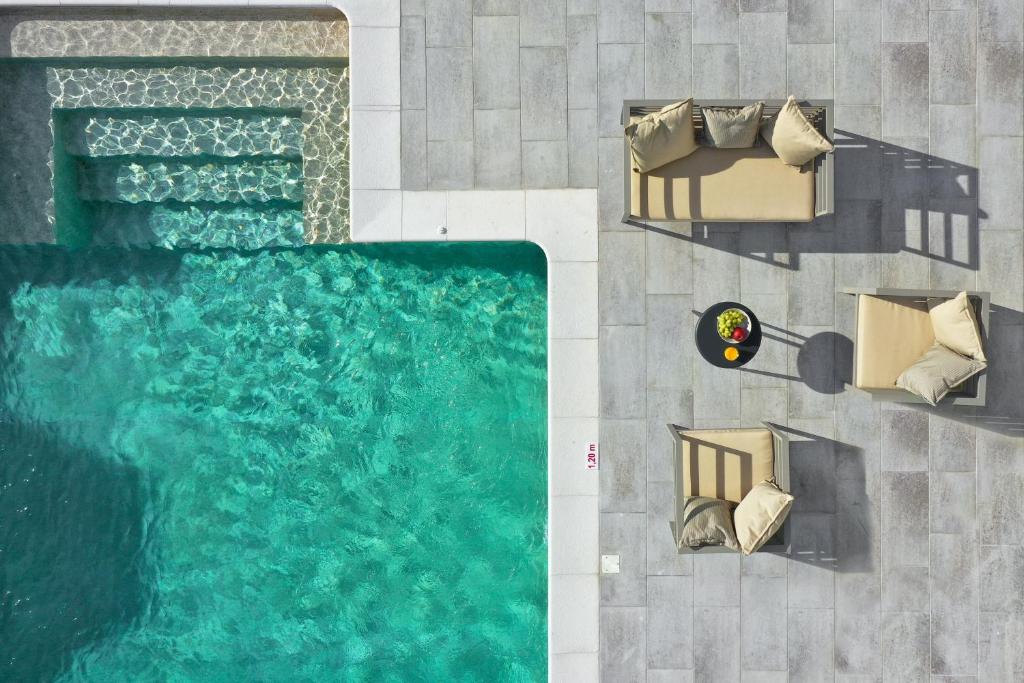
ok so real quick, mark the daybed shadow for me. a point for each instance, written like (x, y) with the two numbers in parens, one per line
(73, 533)
(928, 204)
(890, 199)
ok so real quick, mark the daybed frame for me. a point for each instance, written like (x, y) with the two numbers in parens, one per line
(818, 112)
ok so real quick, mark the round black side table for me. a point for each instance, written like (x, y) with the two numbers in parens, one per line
(712, 346)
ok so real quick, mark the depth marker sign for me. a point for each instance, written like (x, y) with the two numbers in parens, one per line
(593, 456)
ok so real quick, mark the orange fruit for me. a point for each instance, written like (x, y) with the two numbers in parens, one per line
(731, 353)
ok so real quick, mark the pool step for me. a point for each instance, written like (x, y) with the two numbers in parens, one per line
(172, 225)
(184, 135)
(241, 182)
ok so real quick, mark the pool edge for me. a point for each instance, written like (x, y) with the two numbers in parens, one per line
(563, 223)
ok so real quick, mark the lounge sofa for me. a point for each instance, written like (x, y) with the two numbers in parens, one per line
(726, 464)
(893, 330)
(730, 185)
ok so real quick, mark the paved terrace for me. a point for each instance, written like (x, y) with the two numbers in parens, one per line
(909, 524)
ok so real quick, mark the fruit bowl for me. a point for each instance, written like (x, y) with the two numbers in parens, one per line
(733, 326)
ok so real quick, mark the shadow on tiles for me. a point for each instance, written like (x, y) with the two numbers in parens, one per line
(815, 357)
(828, 531)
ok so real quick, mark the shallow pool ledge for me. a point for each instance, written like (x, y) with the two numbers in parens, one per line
(564, 224)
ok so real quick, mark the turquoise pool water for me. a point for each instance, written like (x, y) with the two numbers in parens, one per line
(283, 465)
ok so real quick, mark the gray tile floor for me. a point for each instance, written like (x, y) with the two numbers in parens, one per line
(909, 524)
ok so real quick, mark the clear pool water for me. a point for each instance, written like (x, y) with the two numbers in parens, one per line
(284, 465)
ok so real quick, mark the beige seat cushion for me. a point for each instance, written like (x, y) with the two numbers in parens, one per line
(749, 184)
(726, 463)
(760, 514)
(956, 326)
(936, 373)
(792, 136)
(661, 136)
(891, 335)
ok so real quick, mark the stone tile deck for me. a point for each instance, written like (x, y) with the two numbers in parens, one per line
(908, 536)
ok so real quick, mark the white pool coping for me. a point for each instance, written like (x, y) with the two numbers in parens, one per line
(562, 222)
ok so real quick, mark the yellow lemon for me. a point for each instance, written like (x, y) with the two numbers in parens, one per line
(731, 353)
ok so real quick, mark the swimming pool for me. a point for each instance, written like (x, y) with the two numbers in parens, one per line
(295, 464)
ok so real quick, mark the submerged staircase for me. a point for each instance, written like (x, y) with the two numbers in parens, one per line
(183, 178)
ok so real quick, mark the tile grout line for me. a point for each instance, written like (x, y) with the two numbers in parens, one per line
(977, 515)
(647, 455)
(926, 229)
(881, 455)
(835, 323)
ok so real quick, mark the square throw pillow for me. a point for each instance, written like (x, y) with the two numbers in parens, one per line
(662, 137)
(792, 136)
(939, 370)
(731, 128)
(760, 514)
(706, 521)
(956, 327)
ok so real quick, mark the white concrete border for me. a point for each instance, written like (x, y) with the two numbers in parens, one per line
(562, 222)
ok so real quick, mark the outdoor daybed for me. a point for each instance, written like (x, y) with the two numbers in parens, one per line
(894, 329)
(726, 465)
(749, 184)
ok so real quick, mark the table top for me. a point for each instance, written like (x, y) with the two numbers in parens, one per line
(712, 346)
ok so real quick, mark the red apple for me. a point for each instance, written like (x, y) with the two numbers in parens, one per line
(739, 334)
